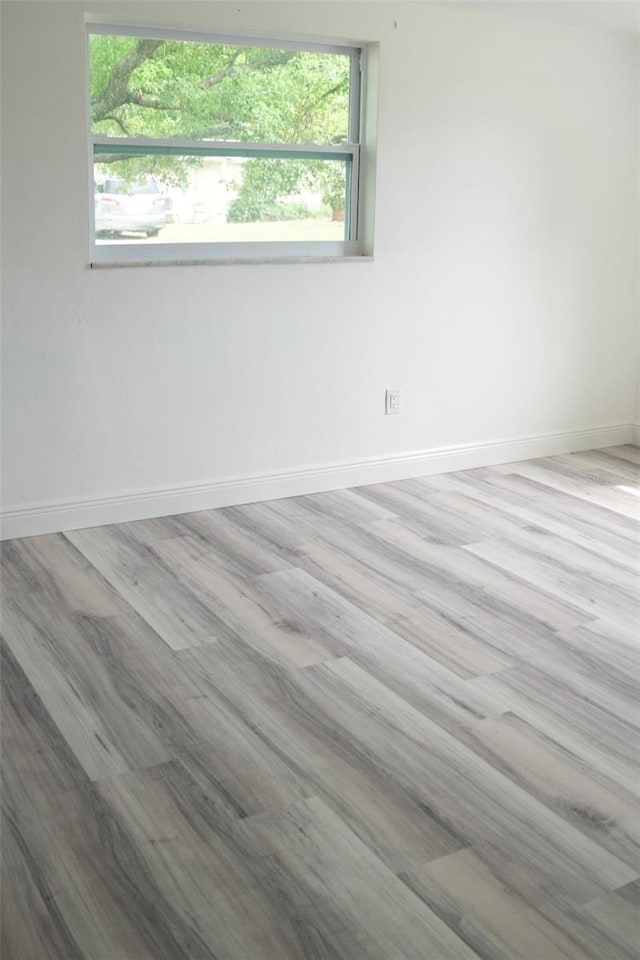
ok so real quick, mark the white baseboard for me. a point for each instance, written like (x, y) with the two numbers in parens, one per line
(34, 519)
(635, 434)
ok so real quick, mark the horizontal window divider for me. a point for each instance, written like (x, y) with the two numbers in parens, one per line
(248, 39)
(143, 147)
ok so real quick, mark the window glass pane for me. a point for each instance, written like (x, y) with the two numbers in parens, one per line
(176, 88)
(175, 199)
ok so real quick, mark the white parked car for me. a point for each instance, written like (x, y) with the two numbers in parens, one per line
(122, 206)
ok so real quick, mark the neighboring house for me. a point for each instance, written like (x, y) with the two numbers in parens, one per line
(212, 187)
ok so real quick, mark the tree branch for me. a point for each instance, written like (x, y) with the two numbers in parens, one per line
(143, 100)
(310, 104)
(116, 92)
(218, 77)
(115, 119)
(231, 68)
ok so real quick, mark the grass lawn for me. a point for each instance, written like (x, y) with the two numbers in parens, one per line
(238, 232)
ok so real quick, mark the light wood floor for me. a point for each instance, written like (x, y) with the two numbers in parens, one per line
(392, 723)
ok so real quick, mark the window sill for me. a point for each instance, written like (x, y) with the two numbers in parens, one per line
(231, 261)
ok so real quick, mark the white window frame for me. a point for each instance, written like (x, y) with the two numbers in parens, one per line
(350, 151)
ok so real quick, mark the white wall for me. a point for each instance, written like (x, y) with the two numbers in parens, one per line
(502, 300)
(636, 426)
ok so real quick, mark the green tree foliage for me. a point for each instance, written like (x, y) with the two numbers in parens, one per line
(177, 89)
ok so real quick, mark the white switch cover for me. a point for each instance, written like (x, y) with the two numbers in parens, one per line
(392, 402)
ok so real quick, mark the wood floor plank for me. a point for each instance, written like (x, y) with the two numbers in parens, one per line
(402, 560)
(180, 615)
(90, 703)
(604, 743)
(246, 770)
(536, 525)
(386, 816)
(438, 518)
(86, 730)
(589, 801)
(537, 504)
(32, 926)
(349, 631)
(366, 911)
(468, 645)
(630, 893)
(602, 464)
(242, 606)
(619, 920)
(583, 479)
(594, 931)
(393, 723)
(184, 829)
(52, 568)
(407, 560)
(233, 898)
(598, 661)
(601, 590)
(37, 762)
(102, 887)
(605, 676)
(334, 513)
(547, 857)
(494, 921)
(432, 566)
(626, 452)
(244, 554)
(575, 704)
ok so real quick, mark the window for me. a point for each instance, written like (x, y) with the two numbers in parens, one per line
(222, 147)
